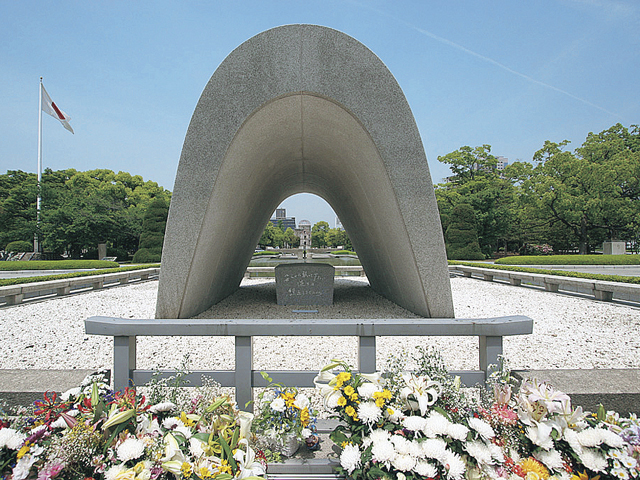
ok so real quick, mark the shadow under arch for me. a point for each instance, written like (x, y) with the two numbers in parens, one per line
(297, 109)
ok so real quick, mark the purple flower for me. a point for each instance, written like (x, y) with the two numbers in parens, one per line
(631, 435)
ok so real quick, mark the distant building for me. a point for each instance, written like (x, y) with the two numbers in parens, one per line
(304, 234)
(502, 162)
(281, 216)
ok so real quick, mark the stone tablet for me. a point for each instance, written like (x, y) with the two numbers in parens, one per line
(304, 284)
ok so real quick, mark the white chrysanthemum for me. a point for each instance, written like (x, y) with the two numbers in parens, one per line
(593, 459)
(590, 437)
(350, 458)
(11, 439)
(435, 448)
(425, 469)
(302, 401)
(414, 423)
(114, 471)
(457, 431)
(183, 429)
(404, 462)
(478, 450)
(72, 392)
(571, 437)
(23, 467)
(552, 459)
(377, 435)
(383, 452)
(369, 412)
(402, 445)
(482, 427)
(130, 449)
(436, 424)
(611, 438)
(496, 452)
(162, 407)
(195, 447)
(170, 423)
(396, 416)
(455, 465)
(366, 390)
(278, 405)
(540, 435)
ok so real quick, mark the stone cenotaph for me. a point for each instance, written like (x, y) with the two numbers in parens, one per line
(303, 108)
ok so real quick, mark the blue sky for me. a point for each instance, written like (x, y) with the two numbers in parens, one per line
(507, 73)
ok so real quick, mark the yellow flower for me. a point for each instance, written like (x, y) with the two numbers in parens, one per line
(342, 377)
(350, 411)
(304, 417)
(584, 476)
(24, 450)
(349, 390)
(390, 411)
(354, 397)
(342, 401)
(186, 469)
(289, 398)
(533, 469)
(186, 420)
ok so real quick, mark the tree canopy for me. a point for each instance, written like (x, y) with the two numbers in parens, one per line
(78, 210)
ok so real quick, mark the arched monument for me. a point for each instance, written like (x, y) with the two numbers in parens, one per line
(303, 108)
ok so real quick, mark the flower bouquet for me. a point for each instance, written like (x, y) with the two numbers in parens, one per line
(285, 420)
(404, 430)
(91, 432)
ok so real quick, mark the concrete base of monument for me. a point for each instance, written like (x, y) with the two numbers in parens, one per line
(615, 389)
(22, 387)
(304, 283)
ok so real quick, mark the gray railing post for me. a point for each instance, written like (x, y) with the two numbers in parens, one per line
(124, 361)
(490, 350)
(243, 371)
(367, 354)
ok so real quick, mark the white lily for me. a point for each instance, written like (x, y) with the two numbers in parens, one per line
(172, 450)
(249, 467)
(424, 391)
(375, 378)
(246, 419)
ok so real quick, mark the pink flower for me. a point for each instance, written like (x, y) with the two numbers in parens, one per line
(50, 471)
(504, 414)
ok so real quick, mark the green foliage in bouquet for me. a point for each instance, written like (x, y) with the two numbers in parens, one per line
(93, 433)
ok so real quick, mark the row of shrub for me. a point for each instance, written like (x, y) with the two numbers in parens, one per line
(56, 265)
(343, 252)
(571, 260)
(559, 273)
(62, 276)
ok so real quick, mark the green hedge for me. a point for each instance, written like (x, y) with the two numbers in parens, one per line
(61, 276)
(559, 273)
(266, 252)
(56, 265)
(19, 246)
(571, 260)
(343, 252)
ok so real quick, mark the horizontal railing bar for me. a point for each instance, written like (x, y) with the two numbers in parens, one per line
(393, 327)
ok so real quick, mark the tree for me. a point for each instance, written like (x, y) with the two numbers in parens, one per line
(18, 192)
(319, 234)
(461, 235)
(152, 236)
(477, 183)
(291, 240)
(594, 191)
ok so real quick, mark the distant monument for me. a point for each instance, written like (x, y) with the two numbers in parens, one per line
(303, 108)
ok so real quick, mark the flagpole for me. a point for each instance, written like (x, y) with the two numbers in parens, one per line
(36, 239)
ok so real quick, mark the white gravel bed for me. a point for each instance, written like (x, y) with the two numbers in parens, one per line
(569, 332)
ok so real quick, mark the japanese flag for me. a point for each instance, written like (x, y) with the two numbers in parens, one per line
(48, 106)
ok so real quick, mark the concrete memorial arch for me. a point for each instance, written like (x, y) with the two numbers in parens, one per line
(303, 108)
